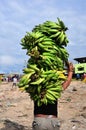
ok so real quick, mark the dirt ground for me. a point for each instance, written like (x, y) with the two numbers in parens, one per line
(16, 108)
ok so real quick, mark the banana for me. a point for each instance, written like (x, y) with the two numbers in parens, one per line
(41, 46)
(64, 54)
(59, 37)
(40, 39)
(54, 94)
(25, 79)
(36, 35)
(52, 58)
(20, 84)
(48, 43)
(49, 86)
(47, 39)
(52, 50)
(28, 70)
(56, 89)
(48, 72)
(34, 67)
(53, 30)
(49, 58)
(59, 61)
(66, 41)
(44, 100)
(38, 81)
(62, 76)
(58, 26)
(50, 96)
(50, 24)
(38, 102)
(23, 88)
(49, 77)
(55, 36)
(59, 72)
(43, 75)
(39, 89)
(48, 54)
(48, 62)
(62, 36)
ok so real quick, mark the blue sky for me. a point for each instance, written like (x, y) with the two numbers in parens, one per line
(19, 16)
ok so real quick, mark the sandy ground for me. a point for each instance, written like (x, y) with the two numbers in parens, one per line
(16, 108)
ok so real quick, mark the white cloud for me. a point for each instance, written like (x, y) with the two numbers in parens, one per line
(9, 60)
(6, 60)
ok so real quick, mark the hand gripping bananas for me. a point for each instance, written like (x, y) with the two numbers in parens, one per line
(44, 74)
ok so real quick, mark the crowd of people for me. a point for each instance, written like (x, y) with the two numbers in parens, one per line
(81, 76)
(13, 78)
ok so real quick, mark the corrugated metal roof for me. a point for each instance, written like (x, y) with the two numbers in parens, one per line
(81, 59)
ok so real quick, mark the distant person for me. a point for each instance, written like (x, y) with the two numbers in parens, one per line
(84, 77)
(7, 79)
(14, 82)
(77, 76)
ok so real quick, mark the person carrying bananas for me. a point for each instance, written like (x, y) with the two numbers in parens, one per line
(46, 116)
(44, 77)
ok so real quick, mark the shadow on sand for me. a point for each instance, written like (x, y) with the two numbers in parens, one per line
(10, 125)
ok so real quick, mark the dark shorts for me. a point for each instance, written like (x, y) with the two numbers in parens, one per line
(14, 84)
(40, 123)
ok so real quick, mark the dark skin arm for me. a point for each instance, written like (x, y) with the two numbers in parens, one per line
(69, 78)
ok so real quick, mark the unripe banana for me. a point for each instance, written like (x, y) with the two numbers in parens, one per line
(28, 70)
(34, 67)
(50, 97)
(38, 81)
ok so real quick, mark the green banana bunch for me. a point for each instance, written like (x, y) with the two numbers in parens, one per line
(30, 40)
(44, 74)
(52, 25)
(53, 94)
(52, 29)
(25, 79)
